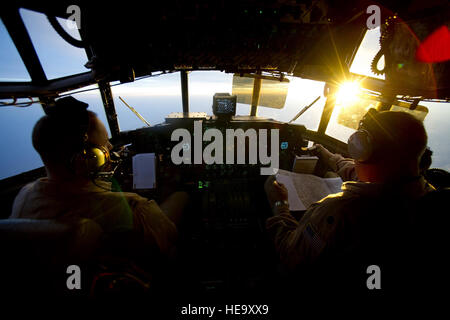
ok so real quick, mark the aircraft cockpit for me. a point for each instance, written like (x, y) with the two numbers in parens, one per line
(211, 99)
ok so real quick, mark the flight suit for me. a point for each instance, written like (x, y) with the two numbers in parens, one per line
(113, 211)
(337, 220)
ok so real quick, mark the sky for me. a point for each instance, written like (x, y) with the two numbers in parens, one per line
(156, 97)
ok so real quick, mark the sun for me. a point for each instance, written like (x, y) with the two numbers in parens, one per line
(348, 93)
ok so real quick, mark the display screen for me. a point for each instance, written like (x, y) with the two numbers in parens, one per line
(224, 104)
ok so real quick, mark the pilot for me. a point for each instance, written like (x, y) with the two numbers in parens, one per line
(386, 152)
(73, 144)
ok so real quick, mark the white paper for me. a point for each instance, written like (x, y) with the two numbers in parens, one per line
(295, 204)
(310, 188)
(334, 184)
(144, 171)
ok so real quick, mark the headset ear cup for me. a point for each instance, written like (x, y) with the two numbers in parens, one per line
(360, 146)
(96, 158)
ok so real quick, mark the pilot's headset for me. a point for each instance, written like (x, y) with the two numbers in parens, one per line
(93, 158)
(362, 145)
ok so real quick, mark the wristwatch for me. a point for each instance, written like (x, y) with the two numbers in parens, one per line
(281, 203)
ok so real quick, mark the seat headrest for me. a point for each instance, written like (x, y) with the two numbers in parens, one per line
(50, 239)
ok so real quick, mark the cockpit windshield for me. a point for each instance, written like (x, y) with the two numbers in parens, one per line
(156, 96)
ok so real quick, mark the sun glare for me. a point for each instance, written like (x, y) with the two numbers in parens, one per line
(348, 93)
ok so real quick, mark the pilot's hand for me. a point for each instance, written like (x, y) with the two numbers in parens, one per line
(275, 191)
(323, 154)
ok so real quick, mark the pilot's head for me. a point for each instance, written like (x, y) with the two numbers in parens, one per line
(64, 134)
(388, 146)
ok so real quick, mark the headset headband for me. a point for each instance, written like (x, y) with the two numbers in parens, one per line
(368, 121)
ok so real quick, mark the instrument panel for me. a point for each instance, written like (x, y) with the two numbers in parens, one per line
(224, 236)
(161, 140)
(225, 197)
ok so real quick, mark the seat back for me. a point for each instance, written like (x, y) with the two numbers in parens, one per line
(37, 253)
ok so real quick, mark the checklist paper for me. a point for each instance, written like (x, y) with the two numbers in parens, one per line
(144, 171)
(306, 189)
(295, 204)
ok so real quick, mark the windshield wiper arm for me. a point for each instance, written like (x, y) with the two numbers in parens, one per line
(304, 110)
(135, 112)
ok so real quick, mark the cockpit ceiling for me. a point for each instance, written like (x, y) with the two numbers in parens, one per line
(311, 39)
(222, 35)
